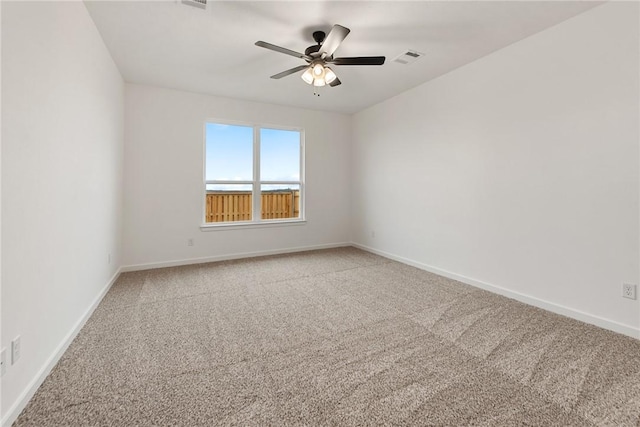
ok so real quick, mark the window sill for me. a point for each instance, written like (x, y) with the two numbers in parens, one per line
(244, 225)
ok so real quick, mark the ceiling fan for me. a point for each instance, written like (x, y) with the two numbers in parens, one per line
(319, 57)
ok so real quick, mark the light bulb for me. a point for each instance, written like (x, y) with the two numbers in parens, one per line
(307, 76)
(329, 75)
(318, 70)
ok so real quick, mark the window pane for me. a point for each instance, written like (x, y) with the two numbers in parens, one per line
(228, 202)
(229, 155)
(279, 155)
(280, 201)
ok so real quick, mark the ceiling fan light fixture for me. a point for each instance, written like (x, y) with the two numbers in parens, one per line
(319, 82)
(329, 75)
(318, 71)
(307, 76)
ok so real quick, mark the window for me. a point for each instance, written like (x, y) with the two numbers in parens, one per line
(253, 174)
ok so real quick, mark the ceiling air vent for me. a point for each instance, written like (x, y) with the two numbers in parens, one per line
(202, 4)
(408, 57)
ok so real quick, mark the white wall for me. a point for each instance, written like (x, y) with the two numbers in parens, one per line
(62, 148)
(164, 175)
(519, 170)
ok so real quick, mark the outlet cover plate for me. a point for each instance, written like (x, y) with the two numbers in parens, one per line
(15, 350)
(629, 291)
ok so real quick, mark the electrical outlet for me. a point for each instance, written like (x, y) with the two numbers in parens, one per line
(15, 349)
(3, 362)
(629, 291)
(189, 242)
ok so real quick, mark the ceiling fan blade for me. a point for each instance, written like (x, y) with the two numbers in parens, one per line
(283, 50)
(337, 34)
(289, 71)
(359, 60)
(335, 83)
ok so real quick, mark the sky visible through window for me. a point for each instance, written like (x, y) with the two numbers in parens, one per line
(229, 153)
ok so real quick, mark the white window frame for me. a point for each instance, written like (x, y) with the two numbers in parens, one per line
(256, 184)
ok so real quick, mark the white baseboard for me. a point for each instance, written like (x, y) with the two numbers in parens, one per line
(527, 299)
(12, 414)
(151, 265)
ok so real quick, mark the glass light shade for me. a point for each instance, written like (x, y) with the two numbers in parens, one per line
(307, 76)
(329, 75)
(319, 82)
(318, 70)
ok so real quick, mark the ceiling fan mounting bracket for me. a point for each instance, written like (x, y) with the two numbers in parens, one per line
(319, 36)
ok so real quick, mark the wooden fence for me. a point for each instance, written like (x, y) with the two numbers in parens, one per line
(225, 206)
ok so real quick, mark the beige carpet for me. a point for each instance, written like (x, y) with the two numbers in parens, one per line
(335, 337)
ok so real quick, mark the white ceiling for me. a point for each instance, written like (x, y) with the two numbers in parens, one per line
(169, 44)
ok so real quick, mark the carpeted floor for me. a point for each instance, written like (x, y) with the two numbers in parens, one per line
(335, 337)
